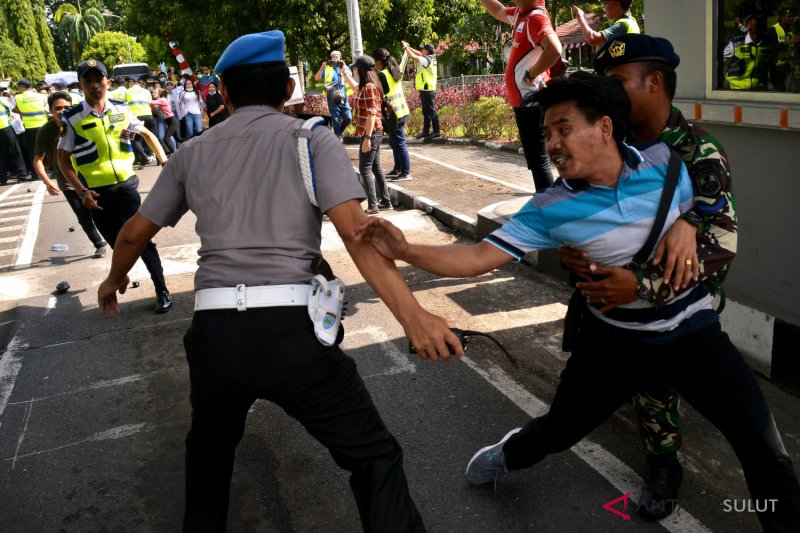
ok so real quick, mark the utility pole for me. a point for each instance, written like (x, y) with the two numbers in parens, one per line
(354, 21)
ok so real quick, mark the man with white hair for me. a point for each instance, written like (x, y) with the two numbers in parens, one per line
(337, 92)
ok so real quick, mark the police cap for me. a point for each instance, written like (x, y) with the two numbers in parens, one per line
(253, 49)
(633, 48)
(24, 83)
(91, 64)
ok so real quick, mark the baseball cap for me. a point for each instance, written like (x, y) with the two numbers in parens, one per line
(24, 83)
(91, 64)
(429, 47)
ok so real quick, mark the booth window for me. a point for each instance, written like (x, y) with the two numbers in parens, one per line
(758, 46)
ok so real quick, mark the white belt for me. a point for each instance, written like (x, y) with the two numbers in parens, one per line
(243, 298)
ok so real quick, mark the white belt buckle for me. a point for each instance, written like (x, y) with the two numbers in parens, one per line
(241, 297)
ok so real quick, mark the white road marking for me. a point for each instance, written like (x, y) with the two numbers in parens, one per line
(28, 411)
(11, 228)
(476, 174)
(376, 335)
(8, 192)
(32, 231)
(118, 432)
(5, 209)
(620, 475)
(133, 378)
(10, 365)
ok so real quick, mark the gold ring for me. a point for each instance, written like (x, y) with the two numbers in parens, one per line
(603, 300)
(688, 262)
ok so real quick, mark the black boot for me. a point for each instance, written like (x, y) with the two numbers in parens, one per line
(660, 495)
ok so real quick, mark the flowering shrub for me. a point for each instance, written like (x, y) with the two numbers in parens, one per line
(478, 110)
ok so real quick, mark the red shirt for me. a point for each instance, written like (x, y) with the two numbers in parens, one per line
(368, 103)
(529, 29)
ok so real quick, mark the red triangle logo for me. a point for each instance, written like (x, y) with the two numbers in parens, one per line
(609, 506)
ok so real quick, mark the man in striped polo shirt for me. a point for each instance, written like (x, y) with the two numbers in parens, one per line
(604, 203)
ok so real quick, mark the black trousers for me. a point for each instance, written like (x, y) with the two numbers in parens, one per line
(11, 161)
(84, 217)
(28, 149)
(120, 202)
(429, 115)
(271, 353)
(531, 135)
(608, 366)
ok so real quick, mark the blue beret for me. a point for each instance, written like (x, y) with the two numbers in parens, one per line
(253, 49)
(632, 48)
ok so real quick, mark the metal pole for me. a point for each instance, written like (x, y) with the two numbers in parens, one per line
(354, 21)
(128, 40)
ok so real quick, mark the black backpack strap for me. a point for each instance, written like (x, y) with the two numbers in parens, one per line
(639, 261)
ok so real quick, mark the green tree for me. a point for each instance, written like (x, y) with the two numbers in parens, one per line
(21, 29)
(12, 61)
(76, 27)
(109, 46)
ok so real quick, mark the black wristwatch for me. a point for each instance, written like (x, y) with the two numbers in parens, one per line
(83, 192)
(693, 219)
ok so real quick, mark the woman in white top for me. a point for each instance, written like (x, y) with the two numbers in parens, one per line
(190, 105)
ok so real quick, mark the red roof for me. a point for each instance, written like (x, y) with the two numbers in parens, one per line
(570, 33)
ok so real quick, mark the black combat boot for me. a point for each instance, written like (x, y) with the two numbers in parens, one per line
(660, 495)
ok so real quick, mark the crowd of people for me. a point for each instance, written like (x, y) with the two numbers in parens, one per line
(640, 324)
(174, 108)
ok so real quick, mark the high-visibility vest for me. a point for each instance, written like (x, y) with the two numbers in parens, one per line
(5, 116)
(103, 155)
(426, 76)
(631, 26)
(748, 68)
(32, 109)
(138, 99)
(395, 95)
(784, 53)
(76, 97)
(327, 77)
(119, 94)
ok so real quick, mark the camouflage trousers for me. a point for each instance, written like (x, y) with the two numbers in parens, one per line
(659, 420)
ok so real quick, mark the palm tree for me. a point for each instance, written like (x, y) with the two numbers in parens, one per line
(76, 27)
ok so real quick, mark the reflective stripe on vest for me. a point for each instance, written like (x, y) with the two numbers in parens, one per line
(395, 95)
(748, 68)
(138, 99)
(102, 155)
(426, 76)
(32, 109)
(328, 78)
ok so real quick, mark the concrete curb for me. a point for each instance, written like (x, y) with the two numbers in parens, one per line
(451, 218)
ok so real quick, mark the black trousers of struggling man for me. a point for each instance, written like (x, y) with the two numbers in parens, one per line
(608, 366)
(236, 357)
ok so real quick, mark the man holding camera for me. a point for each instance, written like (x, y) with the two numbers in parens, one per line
(337, 91)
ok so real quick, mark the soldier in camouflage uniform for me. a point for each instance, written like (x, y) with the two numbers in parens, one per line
(698, 248)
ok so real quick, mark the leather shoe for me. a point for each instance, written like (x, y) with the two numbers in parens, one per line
(163, 302)
(660, 494)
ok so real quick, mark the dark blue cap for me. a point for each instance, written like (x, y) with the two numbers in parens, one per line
(91, 64)
(253, 49)
(632, 48)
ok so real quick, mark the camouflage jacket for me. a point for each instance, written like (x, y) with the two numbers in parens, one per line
(714, 210)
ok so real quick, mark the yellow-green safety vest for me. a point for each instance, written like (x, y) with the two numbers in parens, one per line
(138, 99)
(32, 109)
(784, 54)
(748, 68)
(426, 76)
(395, 95)
(5, 116)
(118, 94)
(76, 97)
(327, 77)
(103, 153)
(627, 20)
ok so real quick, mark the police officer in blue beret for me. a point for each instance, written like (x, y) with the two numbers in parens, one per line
(251, 336)
(703, 240)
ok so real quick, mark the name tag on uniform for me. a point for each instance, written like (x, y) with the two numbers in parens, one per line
(118, 117)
